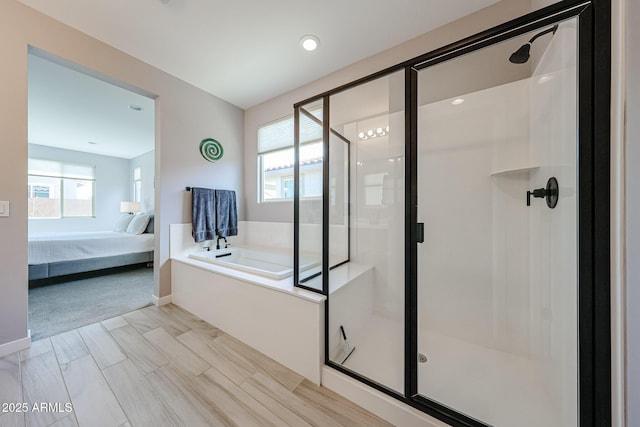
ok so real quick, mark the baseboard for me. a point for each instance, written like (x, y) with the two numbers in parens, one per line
(384, 406)
(14, 346)
(161, 301)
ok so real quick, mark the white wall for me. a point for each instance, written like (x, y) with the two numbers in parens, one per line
(146, 163)
(184, 116)
(473, 264)
(112, 187)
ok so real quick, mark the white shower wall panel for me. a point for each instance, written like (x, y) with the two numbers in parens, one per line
(476, 240)
(377, 229)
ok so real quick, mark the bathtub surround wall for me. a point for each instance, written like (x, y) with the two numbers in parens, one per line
(271, 316)
(285, 327)
(112, 187)
(276, 235)
(184, 116)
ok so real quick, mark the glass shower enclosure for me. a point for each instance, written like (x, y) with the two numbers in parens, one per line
(448, 238)
(497, 272)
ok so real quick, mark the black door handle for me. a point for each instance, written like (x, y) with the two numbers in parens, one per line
(420, 232)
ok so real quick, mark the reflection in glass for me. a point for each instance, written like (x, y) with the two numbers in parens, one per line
(310, 201)
(338, 199)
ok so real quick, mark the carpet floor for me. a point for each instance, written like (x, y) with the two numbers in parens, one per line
(59, 308)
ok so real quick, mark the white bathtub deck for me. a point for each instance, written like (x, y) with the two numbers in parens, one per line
(283, 285)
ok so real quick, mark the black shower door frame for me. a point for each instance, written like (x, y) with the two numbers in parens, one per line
(594, 123)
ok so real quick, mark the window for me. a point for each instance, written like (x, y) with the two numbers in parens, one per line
(374, 188)
(276, 159)
(60, 190)
(137, 185)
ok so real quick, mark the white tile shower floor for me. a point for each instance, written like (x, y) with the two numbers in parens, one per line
(498, 388)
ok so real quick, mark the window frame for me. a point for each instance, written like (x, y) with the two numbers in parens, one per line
(61, 184)
(261, 172)
(261, 180)
(280, 148)
(137, 184)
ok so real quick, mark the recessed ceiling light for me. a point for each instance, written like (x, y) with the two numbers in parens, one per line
(457, 101)
(135, 107)
(309, 42)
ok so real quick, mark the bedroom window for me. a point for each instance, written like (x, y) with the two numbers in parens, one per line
(137, 185)
(60, 190)
(276, 158)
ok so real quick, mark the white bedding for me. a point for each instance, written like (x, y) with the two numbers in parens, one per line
(53, 247)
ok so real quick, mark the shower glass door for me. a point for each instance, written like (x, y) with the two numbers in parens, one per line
(497, 272)
(365, 325)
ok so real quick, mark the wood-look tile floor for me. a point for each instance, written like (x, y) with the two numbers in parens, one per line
(161, 366)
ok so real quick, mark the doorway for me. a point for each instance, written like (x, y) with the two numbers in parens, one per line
(90, 196)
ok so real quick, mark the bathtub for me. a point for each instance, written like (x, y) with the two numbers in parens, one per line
(265, 263)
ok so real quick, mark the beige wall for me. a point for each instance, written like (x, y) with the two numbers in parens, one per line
(184, 116)
(283, 105)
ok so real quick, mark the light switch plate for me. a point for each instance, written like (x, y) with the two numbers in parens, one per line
(4, 208)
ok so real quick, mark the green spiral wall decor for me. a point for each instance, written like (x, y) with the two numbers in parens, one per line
(211, 149)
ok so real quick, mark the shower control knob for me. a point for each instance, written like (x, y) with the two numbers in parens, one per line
(539, 193)
(550, 192)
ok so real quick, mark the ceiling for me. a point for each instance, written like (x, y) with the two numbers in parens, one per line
(247, 51)
(69, 109)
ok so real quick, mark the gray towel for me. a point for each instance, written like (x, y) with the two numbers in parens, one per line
(226, 213)
(203, 214)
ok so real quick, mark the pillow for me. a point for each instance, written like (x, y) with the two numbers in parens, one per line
(149, 228)
(122, 223)
(138, 224)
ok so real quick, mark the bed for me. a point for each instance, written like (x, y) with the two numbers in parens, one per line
(59, 254)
